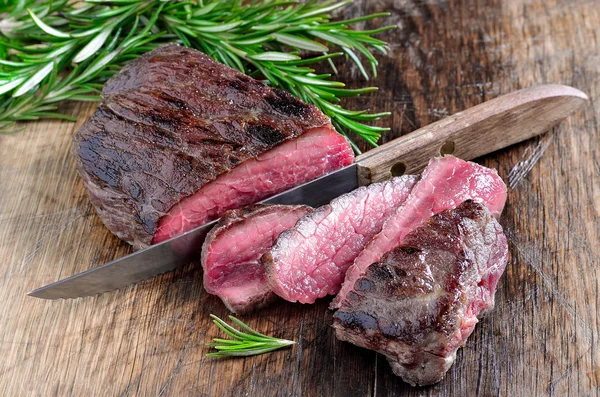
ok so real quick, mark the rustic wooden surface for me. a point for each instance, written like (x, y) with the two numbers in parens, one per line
(542, 338)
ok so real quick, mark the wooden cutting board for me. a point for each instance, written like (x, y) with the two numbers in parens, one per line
(541, 339)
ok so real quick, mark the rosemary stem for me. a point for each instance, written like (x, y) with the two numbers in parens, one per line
(281, 41)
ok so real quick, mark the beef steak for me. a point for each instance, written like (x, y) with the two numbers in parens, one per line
(420, 303)
(232, 250)
(445, 183)
(314, 153)
(174, 120)
(310, 260)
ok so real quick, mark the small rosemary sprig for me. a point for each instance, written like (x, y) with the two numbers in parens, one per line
(57, 50)
(247, 342)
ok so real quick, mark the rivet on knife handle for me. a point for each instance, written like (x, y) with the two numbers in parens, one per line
(482, 129)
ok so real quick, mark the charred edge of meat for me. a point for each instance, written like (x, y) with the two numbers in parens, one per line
(287, 104)
(420, 302)
(266, 134)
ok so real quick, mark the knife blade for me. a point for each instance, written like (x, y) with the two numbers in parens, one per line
(490, 126)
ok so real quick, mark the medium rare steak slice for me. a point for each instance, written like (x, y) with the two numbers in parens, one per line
(420, 303)
(310, 260)
(232, 250)
(174, 120)
(314, 153)
(445, 183)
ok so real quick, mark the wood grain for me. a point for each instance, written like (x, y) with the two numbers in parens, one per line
(447, 55)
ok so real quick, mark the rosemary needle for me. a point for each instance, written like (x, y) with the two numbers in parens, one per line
(57, 50)
(246, 342)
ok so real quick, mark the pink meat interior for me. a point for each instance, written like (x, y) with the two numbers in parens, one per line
(310, 261)
(315, 153)
(232, 267)
(445, 184)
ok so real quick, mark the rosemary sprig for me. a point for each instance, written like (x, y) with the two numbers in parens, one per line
(247, 342)
(51, 51)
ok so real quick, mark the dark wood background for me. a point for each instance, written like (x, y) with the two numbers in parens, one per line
(542, 338)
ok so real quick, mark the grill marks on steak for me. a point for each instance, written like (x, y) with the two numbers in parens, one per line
(446, 182)
(314, 153)
(310, 260)
(232, 250)
(420, 303)
(174, 120)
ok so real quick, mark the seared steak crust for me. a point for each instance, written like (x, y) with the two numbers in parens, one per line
(170, 122)
(420, 303)
(445, 183)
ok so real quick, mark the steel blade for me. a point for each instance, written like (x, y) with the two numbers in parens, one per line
(168, 255)
(130, 269)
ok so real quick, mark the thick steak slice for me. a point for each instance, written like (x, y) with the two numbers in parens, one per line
(174, 120)
(314, 153)
(445, 183)
(232, 250)
(420, 303)
(310, 260)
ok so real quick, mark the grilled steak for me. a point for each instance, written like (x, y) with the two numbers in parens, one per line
(310, 260)
(314, 153)
(174, 120)
(420, 303)
(445, 183)
(232, 250)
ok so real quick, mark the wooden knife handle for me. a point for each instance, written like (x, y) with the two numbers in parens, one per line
(482, 129)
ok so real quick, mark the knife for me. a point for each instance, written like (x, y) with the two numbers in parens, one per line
(477, 131)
